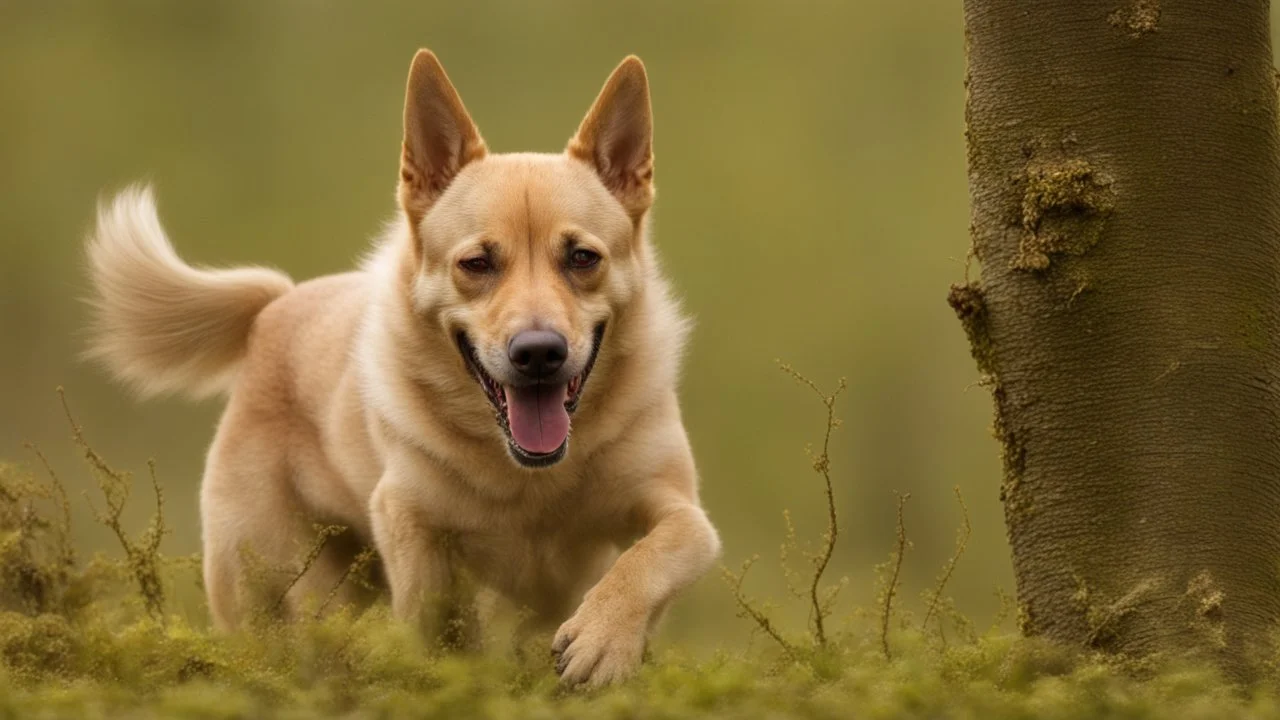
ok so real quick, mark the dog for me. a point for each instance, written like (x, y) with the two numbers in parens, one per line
(491, 394)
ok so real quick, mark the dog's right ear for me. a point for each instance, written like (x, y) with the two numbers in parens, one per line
(439, 136)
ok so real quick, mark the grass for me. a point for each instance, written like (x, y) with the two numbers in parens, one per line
(102, 638)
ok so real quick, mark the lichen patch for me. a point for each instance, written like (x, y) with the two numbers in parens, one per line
(1064, 209)
(1206, 598)
(1104, 616)
(1138, 18)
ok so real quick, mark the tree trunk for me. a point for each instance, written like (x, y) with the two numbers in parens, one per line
(1125, 190)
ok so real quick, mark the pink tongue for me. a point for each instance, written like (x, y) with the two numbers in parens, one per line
(537, 418)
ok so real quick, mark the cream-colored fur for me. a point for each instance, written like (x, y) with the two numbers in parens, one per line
(350, 400)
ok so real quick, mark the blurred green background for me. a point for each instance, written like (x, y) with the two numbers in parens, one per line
(812, 207)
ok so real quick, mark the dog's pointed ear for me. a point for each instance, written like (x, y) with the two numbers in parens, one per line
(616, 137)
(439, 136)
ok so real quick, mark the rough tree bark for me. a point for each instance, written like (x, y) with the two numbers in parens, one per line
(1125, 190)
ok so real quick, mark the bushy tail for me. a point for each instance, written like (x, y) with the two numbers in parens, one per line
(158, 323)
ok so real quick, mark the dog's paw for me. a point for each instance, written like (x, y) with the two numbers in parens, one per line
(602, 643)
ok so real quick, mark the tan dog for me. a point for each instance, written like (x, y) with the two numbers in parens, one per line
(424, 400)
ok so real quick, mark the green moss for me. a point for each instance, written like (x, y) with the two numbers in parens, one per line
(36, 560)
(968, 300)
(86, 641)
(1064, 209)
(970, 306)
(359, 667)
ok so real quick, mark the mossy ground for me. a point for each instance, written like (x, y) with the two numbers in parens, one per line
(103, 665)
(105, 638)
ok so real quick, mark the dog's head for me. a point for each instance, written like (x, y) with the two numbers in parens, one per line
(523, 260)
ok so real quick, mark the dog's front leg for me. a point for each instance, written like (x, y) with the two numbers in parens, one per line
(416, 559)
(604, 641)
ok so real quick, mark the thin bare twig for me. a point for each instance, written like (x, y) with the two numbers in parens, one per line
(358, 564)
(748, 609)
(962, 542)
(323, 535)
(822, 465)
(66, 549)
(142, 556)
(892, 588)
(820, 600)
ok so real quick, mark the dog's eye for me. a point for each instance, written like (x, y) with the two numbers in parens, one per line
(476, 264)
(581, 259)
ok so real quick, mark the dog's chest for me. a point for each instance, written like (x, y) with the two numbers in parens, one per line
(542, 561)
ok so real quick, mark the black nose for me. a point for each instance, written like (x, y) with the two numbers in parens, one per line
(538, 353)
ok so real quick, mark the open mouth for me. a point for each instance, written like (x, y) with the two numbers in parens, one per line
(535, 417)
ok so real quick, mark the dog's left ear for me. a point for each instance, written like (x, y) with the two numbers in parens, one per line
(439, 136)
(616, 137)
